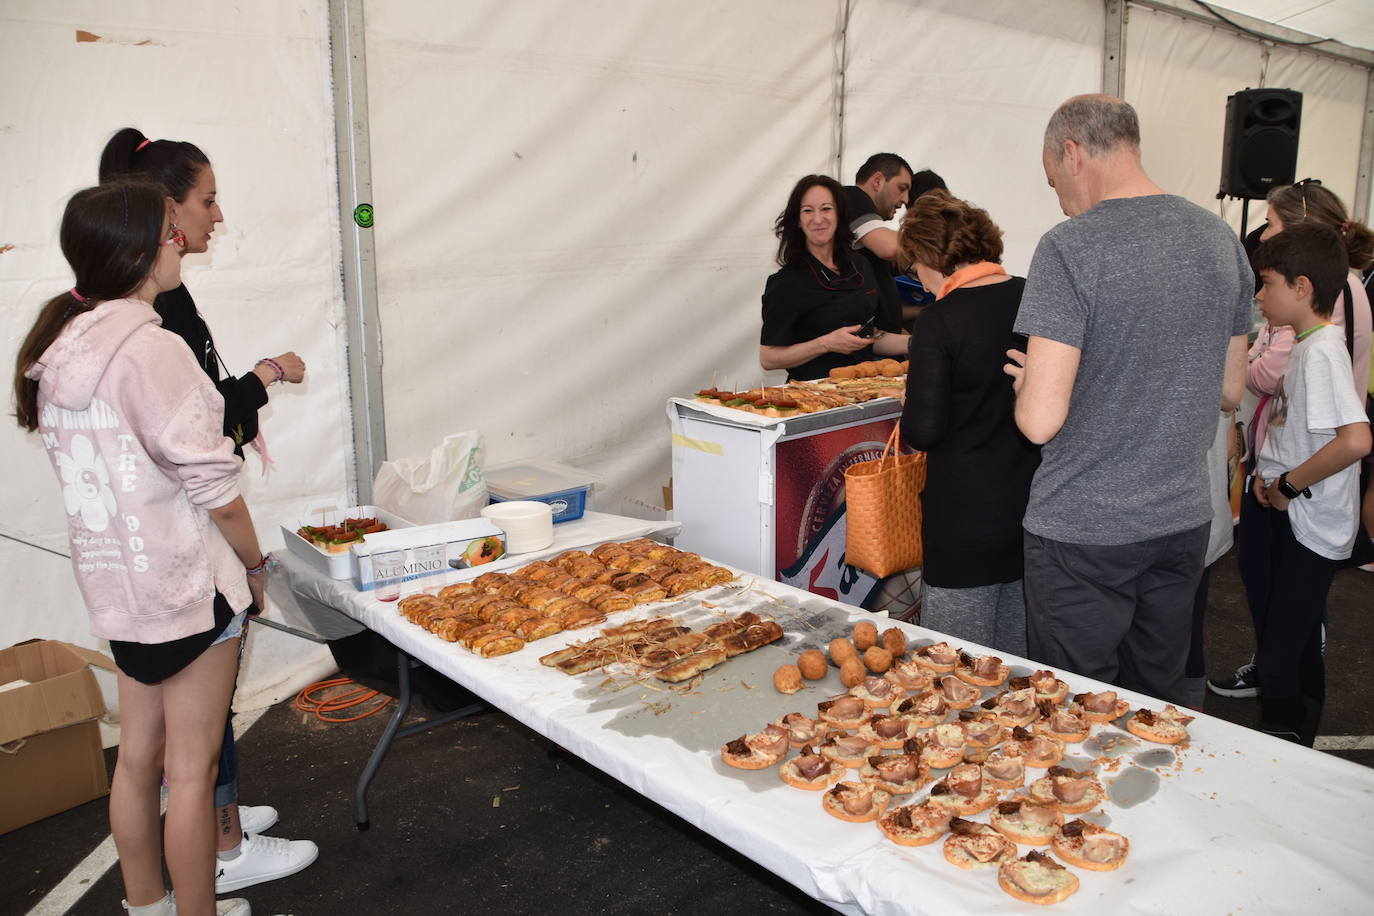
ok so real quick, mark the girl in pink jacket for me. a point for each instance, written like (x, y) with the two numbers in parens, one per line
(162, 544)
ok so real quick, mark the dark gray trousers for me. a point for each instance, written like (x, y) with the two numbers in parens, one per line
(1118, 613)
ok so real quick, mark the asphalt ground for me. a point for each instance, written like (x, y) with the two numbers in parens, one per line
(483, 815)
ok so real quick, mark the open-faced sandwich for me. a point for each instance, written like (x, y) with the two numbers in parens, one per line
(1089, 846)
(1036, 878)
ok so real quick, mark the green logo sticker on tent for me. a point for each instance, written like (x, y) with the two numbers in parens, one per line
(363, 216)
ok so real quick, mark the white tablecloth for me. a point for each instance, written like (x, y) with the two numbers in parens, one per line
(1236, 823)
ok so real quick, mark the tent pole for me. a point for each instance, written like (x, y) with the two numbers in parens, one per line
(362, 318)
(840, 90)
(1114, 50)
(1360, 207)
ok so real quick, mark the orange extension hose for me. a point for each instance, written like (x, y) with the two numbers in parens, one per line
(308, 701)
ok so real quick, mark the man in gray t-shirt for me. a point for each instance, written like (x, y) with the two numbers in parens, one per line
(1137, 309)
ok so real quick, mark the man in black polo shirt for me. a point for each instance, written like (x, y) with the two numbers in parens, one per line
(880, 187)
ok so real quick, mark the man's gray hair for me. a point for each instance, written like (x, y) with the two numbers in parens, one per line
(1098, 123)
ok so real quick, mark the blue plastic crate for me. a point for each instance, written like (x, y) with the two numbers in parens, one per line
(567, 506)
(564, 488)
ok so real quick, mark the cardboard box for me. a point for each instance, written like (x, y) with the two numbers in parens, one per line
(50, 756)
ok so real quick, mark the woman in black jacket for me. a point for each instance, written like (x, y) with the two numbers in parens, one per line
(823, 309)
(958, 410)
(185, 172)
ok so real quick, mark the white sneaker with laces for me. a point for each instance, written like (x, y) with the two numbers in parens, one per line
(256, 818)
(263, 858)
(167, 906)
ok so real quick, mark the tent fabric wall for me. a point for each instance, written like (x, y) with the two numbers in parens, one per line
(964, 87)
(249, 83)
(575, 203)
(1179, 73)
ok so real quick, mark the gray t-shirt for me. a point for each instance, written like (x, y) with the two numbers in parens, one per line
(1151, 290)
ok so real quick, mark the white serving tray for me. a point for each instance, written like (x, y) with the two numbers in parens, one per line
(335, 565)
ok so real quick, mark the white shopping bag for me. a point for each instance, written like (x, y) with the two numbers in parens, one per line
(443, 487)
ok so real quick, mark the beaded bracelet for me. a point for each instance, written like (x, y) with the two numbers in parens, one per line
(276, 367)
(268, 562)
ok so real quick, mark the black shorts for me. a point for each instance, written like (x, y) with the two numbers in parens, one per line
(153, 663)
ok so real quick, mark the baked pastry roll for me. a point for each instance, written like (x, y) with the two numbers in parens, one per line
(457, 590)
(537, 628)
(612, 602)
(580, 619)
(690, 667)
(500, 645)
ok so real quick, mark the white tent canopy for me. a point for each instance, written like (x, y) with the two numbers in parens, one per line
(574, 201)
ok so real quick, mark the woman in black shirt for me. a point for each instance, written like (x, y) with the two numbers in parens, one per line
(185, 172)
(815, 309)
(958, 409)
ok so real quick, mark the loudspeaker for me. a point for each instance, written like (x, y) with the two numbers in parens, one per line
(1260, 150)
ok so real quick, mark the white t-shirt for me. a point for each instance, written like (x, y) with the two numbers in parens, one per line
(1312, 401)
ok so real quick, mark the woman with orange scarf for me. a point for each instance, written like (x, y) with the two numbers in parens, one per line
(959, 411)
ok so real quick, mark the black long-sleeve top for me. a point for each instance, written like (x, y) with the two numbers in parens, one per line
(243, 396)
(959, 410)
(805, 300)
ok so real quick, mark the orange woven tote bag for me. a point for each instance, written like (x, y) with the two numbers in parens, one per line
(883, 509)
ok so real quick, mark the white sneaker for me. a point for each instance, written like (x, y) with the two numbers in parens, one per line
(256, 818)
(167, 906)
(234, 906)
(263, 858)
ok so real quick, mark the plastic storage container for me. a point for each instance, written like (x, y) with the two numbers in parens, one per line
(563, 487)
(341, 565)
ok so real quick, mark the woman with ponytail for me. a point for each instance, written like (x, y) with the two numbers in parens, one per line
(150, 486)
(244, 856)
(185, 172)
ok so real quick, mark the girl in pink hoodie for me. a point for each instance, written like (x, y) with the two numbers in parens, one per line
(163, 547)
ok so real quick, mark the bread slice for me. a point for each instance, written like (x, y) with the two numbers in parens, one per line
(1089, 846)
(1037, 879)
(852, 801)
(973, 846)
(1168, 726)
(914, 825)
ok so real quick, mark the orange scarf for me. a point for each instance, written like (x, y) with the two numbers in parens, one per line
(968, 274)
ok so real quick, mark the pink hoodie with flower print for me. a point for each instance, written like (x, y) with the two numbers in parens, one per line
(134, 431)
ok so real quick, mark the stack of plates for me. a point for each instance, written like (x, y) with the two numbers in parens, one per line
(528, 525)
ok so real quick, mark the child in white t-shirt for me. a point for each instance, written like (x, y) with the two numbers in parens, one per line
(1306, 479)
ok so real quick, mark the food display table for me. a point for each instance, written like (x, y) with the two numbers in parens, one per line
(1237, 822)
(767, 495)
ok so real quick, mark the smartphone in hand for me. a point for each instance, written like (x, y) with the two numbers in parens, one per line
(868, 326)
